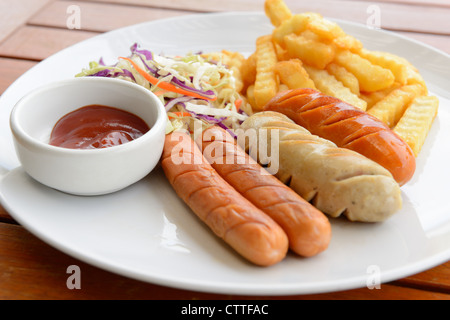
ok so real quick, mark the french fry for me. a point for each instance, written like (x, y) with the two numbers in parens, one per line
(311, 52)
(373, 97)
(308, 34)
(216, 55)
(371, 77)
(293, 75)
(415, 124)
(248, 71)
(329, 85)
(330, 32)
(347, 42)
(391, 108)
(387, 61)
(347, 78)
(282, 53)
(413, 76)
(266, 82)
(246, 106)
(295, 25)
(277, 11)
(251, 96)
(325, 29)
(234, 60)
(307, 50)
(282, 87)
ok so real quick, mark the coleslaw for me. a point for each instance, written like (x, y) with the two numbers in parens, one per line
(196, 90)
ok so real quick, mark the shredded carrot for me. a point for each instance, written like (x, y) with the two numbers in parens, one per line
(165, 85)
(159, 92)
(180, 114)
(238, 104)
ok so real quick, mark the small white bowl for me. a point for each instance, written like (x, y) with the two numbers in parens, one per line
(86, 171)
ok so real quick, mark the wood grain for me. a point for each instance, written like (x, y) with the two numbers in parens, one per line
(38, 43)
(437, 279)
(99, 17)
(394, 16)
(4, 216)
(16, 13)
(11, 69)
(438, 3)
(30, 267)
(440, 42)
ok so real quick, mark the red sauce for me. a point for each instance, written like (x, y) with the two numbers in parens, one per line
(97, 126)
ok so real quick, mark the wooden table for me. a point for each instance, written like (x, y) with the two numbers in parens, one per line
(31, 30)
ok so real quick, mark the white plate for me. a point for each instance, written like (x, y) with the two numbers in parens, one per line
(147, 233)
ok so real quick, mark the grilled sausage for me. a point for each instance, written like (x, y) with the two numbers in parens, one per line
(308, 229)
(348, 127)
(224, 210)
(335, 180)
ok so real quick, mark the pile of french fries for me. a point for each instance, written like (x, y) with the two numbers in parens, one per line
(307, 50)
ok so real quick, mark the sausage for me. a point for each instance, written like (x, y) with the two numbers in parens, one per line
(348, 127)
(337, 181)
(307, 228)
(224, 210)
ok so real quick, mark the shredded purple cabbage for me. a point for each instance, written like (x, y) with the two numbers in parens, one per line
(148, 55)
(181, 84)
(220, 124)
(102, 73)
(208, 118)
(175, 101)
(154, 71)
(125, 73)
(108, 73)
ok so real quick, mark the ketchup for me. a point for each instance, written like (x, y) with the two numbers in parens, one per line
(97, 126)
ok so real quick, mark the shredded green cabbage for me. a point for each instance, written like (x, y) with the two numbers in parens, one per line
(192, 72)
